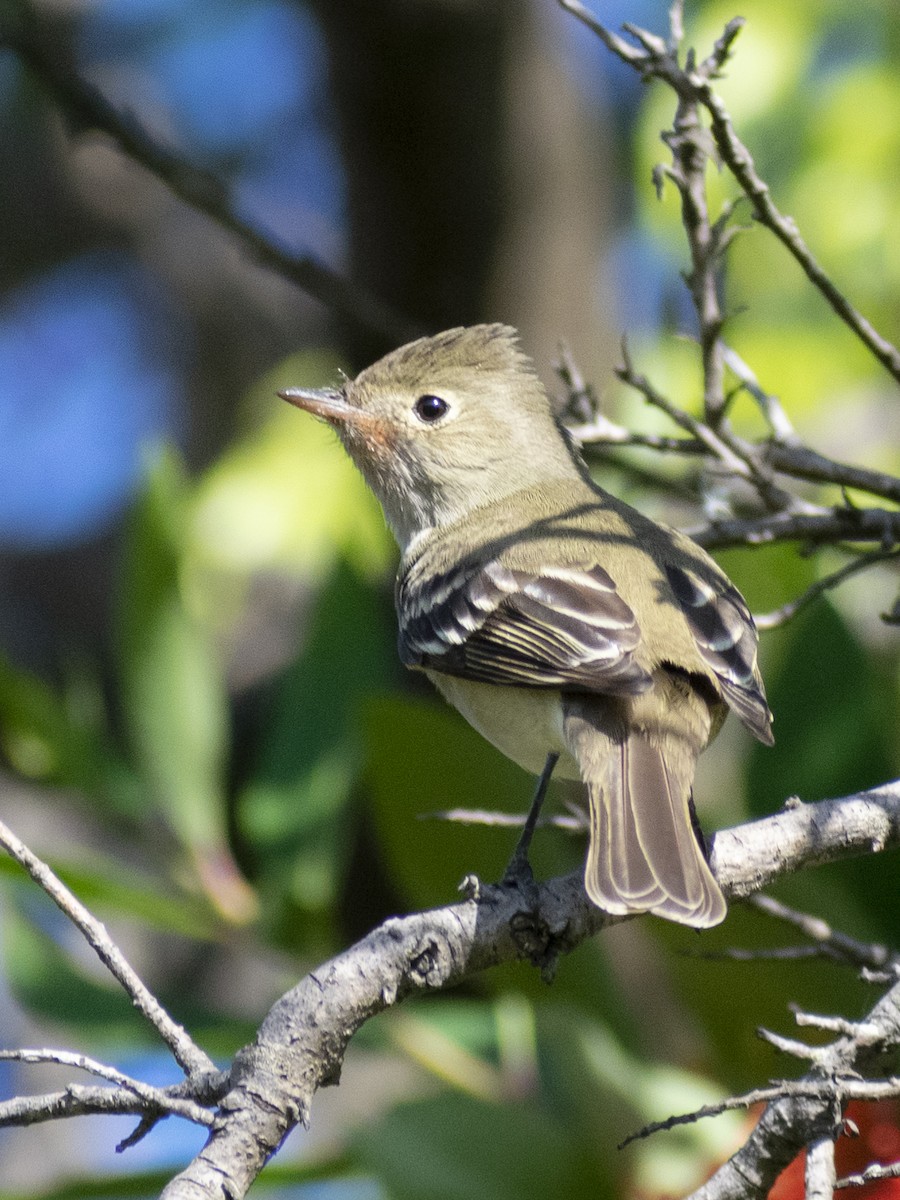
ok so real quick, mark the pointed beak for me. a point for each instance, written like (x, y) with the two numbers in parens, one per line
(326, 403)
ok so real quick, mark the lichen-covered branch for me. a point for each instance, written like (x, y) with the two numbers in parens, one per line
(301, 1043)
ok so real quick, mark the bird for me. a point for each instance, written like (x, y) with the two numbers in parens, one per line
(573, 632)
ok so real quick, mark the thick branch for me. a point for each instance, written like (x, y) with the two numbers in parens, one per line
(301, 1044)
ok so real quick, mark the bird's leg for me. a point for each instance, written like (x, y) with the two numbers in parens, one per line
(519, 868)
(698, 829)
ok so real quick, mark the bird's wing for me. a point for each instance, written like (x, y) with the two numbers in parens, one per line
(559, 627)
(725, 635)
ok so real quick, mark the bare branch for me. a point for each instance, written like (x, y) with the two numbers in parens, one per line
(790, 1123)
(737, 456)
(702, 432)
(505, 820)
(838, 525)
(769, 405)
(692, 85)
(796, 1049)
(807, 1089)
(869, 1175)
(792, 459)
(820, 1174)
(81, 1062)
(612, 41)
(784, 454)
(740, 162)
(79, 1101)
(869, 955)
(840, 1025)
(803, 463)
(690, 145)
(787, 612)
(86, 108)
(301, 1043)
(869, 821)
(189, 1056)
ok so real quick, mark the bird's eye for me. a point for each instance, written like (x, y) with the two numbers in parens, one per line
(430, 408)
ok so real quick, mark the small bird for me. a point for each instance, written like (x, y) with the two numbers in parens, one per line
(565, 626)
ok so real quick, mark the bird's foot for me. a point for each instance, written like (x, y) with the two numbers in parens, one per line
(471, 887)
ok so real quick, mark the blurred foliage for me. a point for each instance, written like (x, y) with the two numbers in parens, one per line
(266, 815)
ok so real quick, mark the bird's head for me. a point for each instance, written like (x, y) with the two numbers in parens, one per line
(445, 425)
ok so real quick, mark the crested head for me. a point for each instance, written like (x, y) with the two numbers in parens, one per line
(447, 424)
(468, 352)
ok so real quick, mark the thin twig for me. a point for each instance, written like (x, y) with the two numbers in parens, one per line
(783, 453)
(189, 1056)
(764, 954)
(740, 162)
(871, 955)
(839, 1025)
(158, 1100)
(769, 405)
(781, 616)
(629, 54)
(791, 1046)
(869, 1175)
(77, 1100)
(803, 463)
(699, 429)
(794, 460)
(836, 525)
(821, 1089)
(66, 1058)
(693, 84)
(737, 456)
(689, 143)
(502, 820)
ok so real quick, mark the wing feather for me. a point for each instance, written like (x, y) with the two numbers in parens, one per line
(725, 635)
(554, 628)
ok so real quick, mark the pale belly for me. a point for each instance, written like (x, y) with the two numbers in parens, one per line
(525, 724)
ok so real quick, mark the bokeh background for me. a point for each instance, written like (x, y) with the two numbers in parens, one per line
(203, 724)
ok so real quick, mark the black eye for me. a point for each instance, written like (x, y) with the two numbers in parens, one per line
(430, 408)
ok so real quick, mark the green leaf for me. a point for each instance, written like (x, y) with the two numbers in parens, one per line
(294, 810)
(60, 737)
(455, 1148)
(830, 716)
(285, 499)
(173, 691)
(422, 758)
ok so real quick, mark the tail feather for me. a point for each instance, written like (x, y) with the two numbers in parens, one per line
(643, 854)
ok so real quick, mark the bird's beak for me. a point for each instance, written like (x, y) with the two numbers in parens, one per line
(327, 403)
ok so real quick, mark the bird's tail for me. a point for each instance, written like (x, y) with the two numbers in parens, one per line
(643, 855)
